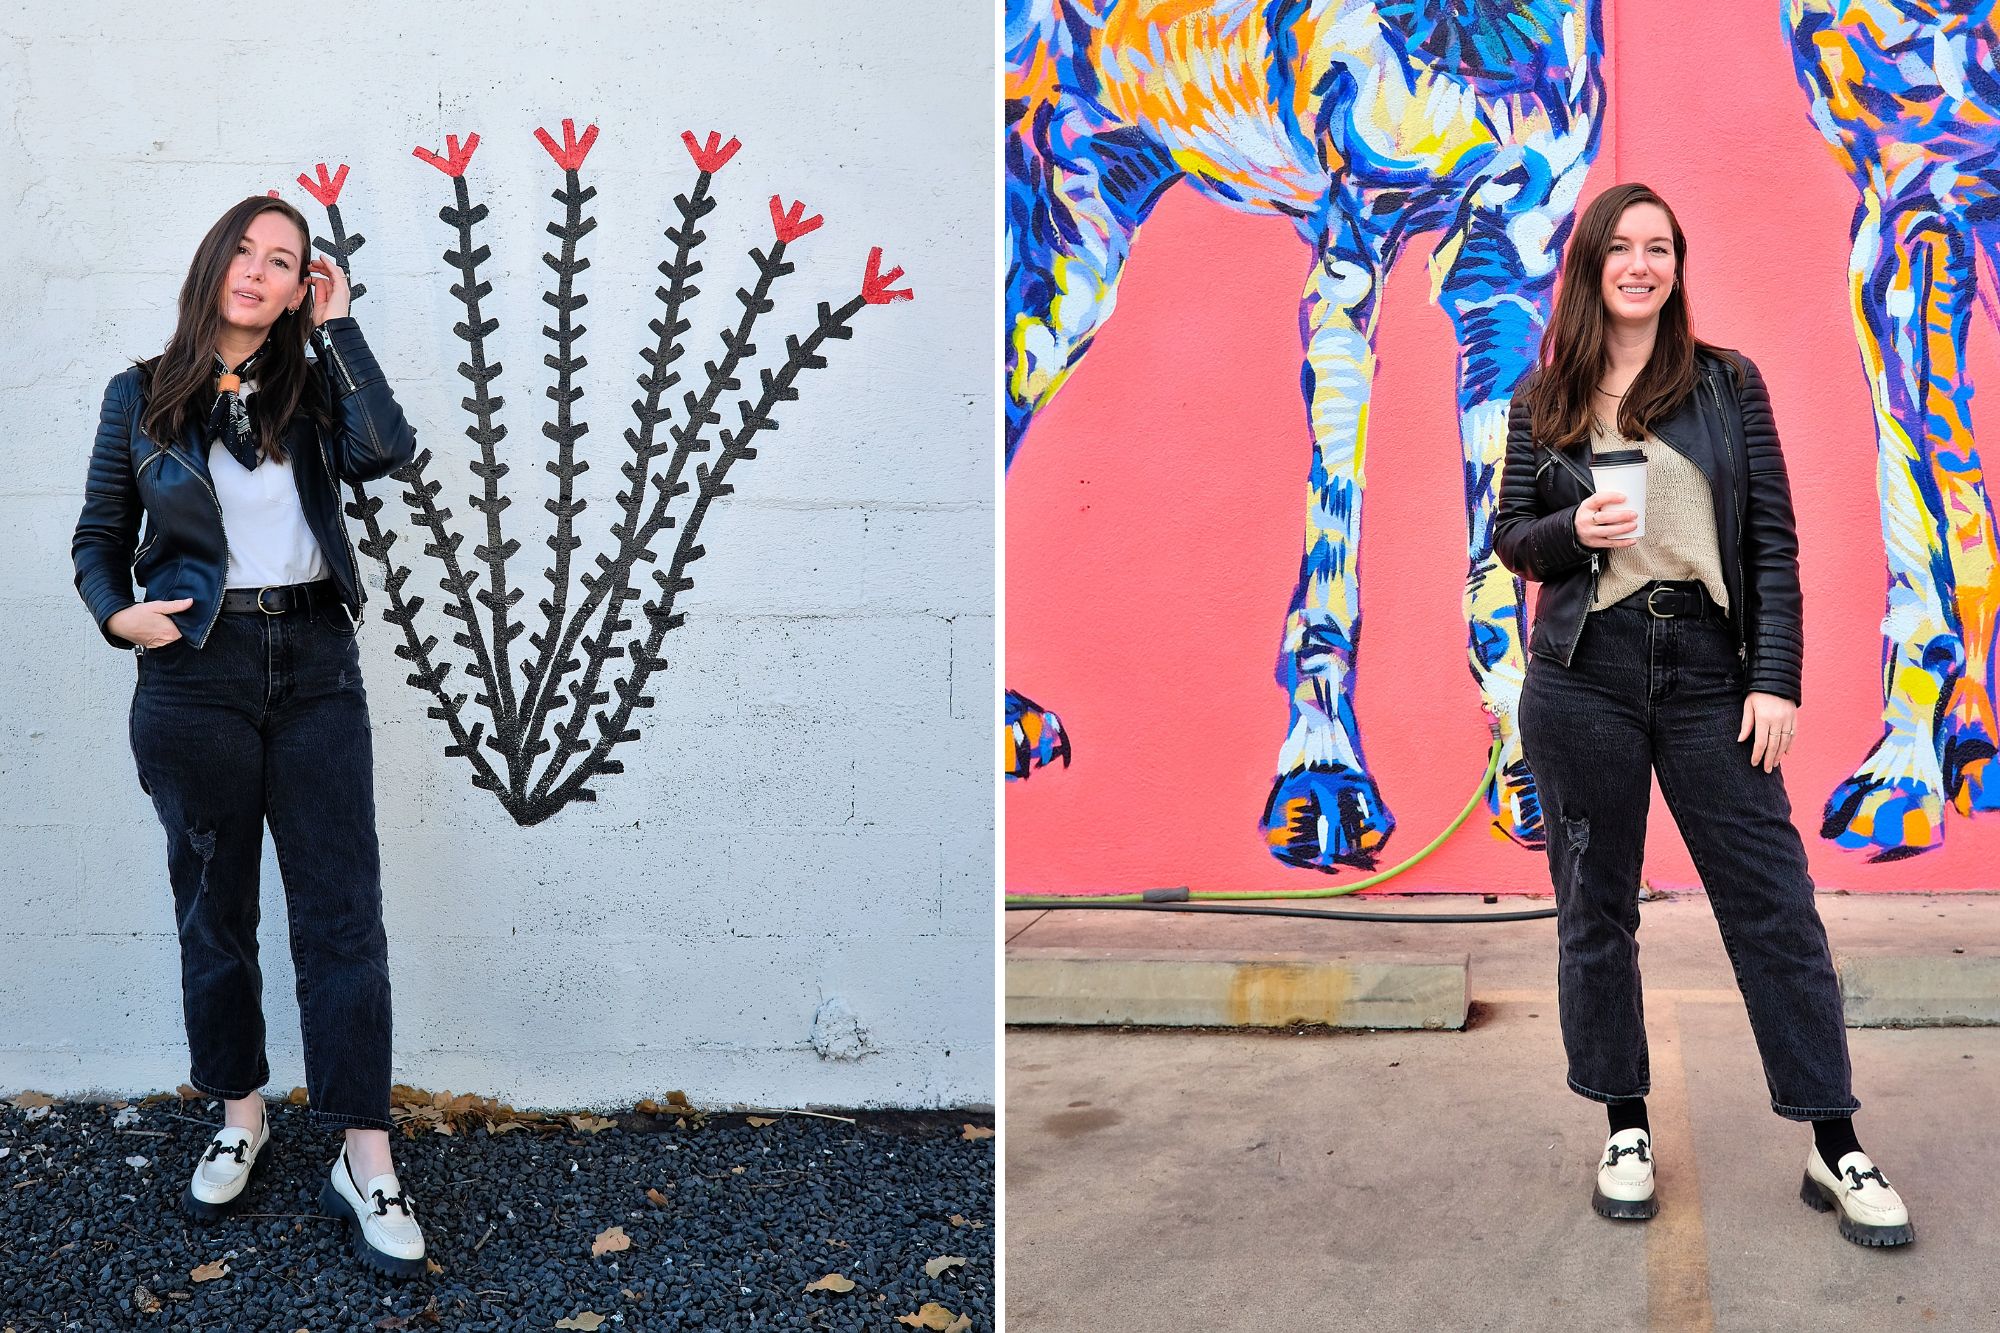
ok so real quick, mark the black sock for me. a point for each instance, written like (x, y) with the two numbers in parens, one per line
(1835, 1139)
(1628, 1114)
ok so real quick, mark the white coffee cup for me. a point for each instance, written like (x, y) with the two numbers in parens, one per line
(1624, 471)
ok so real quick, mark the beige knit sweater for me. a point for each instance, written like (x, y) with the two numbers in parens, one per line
(1680, 540)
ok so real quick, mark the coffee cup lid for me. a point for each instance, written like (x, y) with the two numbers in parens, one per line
(1617, 457)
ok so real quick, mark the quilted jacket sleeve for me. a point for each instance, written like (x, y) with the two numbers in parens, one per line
(107, 531)
(1770, 549)
(370, 434)
(1532, 544)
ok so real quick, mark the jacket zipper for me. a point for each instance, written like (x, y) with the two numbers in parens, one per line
(224, 530)
(326, 342)
(1589, 484)
(1736, 609)
(353, 564)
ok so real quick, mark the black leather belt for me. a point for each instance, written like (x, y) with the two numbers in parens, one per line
(278, 601)
(1666, 599)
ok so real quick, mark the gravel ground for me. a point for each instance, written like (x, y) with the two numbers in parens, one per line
(740, 1220)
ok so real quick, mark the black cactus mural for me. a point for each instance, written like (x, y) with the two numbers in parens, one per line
(543, 717)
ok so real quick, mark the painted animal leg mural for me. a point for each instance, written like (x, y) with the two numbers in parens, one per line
(1364, 124)
(1909, 97)
(1495, 277)
(1078, 186)
(554, 715)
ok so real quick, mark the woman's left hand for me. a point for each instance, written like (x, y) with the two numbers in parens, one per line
(330, 291)
(1768, 723)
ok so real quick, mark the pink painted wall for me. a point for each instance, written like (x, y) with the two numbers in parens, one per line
(1155, 515)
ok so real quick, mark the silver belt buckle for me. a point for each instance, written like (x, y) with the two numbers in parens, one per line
(1651, 610)
(267, 610)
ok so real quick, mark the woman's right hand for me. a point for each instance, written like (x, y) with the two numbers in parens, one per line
(146, 623)
(1604, 522)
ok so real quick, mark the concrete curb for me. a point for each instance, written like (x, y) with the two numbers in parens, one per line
(1883, 989)
(1230, 988)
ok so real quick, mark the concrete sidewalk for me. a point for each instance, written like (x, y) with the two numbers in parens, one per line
(1244, 1179)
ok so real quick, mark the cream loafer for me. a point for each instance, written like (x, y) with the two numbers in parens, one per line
(1871, 1212)
(1625, 1178)
(217, 1185)
(386, 1234)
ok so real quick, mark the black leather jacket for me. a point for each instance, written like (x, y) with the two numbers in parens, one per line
(1727, 431)
(184, 552)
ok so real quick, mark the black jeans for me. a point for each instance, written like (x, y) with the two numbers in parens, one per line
(1645, 695)
(269, 722)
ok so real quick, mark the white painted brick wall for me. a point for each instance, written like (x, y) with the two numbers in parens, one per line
(809, 812)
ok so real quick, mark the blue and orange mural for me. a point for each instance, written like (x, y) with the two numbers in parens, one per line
(1145, 523)
(1362, 124)
(1908, 94)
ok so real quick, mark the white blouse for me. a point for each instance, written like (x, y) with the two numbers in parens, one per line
(269, 543)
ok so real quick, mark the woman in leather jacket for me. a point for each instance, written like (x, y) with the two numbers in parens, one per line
(1670, 648)
(215, 480)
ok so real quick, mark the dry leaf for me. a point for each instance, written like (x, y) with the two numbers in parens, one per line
(932, 1316)
(188, 1093)
(210, 1272)
(591, 1124)
(442, 1127)
(677, 1106)
(657, 1199)
(25, 1100)
(610, 1241)
(944, 1261)
(588, 1320)
(758, 1121)
(434, 1266)
(298, 1097)
(393, 1321)
(831, 1282)
(631, 1295)
(506, 1126)
(959, 1325)
(145, 1302)
(735, 1170)
(976, 1132)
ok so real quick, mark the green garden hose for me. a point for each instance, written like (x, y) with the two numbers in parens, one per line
(1185, 900)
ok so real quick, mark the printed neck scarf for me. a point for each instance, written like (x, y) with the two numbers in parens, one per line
(229, 418)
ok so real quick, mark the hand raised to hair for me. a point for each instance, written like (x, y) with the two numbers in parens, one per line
(331, 295)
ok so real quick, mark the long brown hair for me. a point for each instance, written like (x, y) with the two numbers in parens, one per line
(1573, 357)
(182, 378)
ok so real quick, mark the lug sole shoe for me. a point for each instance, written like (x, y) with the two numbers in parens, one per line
(222, 1175)
(1624, 1189)
(1871, 1212)
(384, 1222)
